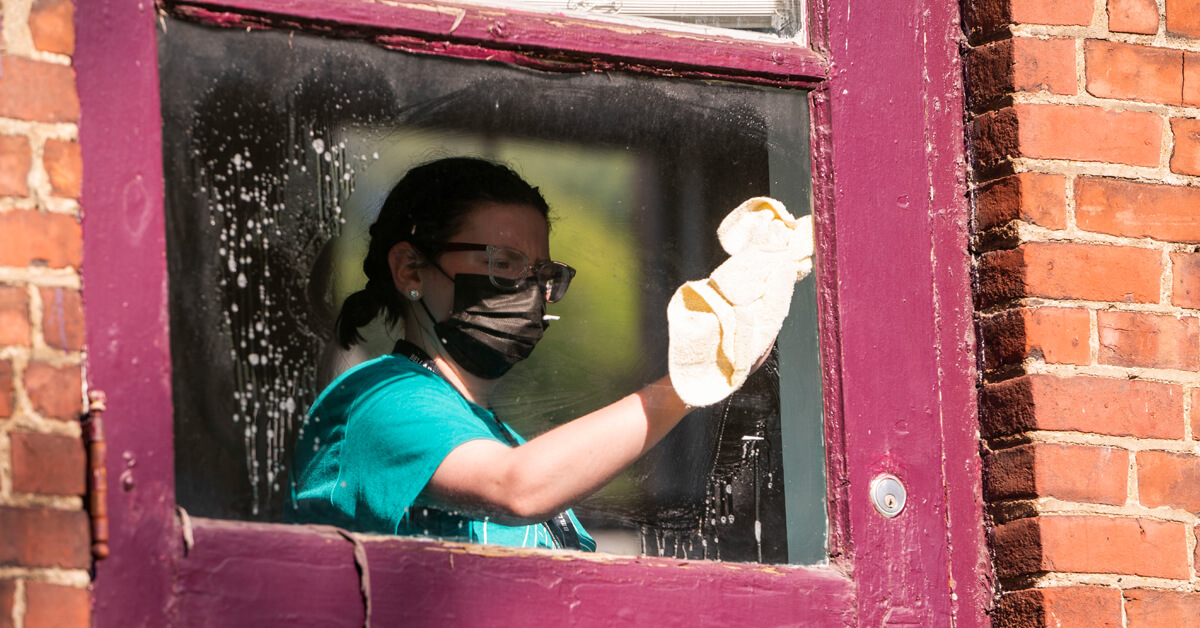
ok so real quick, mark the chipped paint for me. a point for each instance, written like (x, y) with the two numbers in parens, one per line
(529, 35)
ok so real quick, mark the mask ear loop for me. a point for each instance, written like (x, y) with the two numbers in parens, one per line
(436, 349)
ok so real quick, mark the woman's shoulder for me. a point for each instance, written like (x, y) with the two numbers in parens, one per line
(389, 382)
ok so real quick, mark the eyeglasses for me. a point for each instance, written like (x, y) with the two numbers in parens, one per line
(508, 269)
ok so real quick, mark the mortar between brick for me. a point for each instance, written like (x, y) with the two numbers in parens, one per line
(1095, 31)
(1100, 169)
(1122, 582)
(30, 500)
(66, 131)
(1087, 99)
(1167, 147)
(1129, 443)
(1169, 376)
(78, 578)
(42, 277)
(1028, 232)
(1094, 306)
(5, 462)
(1165, 282)
(19, 605)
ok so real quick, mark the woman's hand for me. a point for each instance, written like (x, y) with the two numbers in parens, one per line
(763, 360)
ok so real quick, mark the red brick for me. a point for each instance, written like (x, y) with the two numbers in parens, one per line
(62, 318)
(1185, 279)
(8, 596)
(1191, 79)
(1195, 416)
(37, 90)
(1183, 18)
(1030, 196)
(1058, 13)
(48, 464)
(15, 160)
(1018, 547)
(1044, 65)
(56, 392)
(1133, 16)
(1132, 72)
(51, 22)
(64, 164)
(1093, 607)
(1089, 134)
(1054, 335)
(1149, 340)
(1138, 210)
(1021, 64)
(1168, 480)
(52, 606)
(1186, 156)
(1092, 544)
(14, 316)
(1162, 609)
(30, 237)
(995, 137)
(985, 16)
(1196, 557)
(6, 389)
(1076, 473)
(1116, 407)
(989, 70)
(1064, 270)
(44, 537)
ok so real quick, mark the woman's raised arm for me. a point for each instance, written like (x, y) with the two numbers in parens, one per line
(533, 482)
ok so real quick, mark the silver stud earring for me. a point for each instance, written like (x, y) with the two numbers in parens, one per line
(414, 294)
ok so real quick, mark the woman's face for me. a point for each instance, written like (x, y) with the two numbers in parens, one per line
(516, 226)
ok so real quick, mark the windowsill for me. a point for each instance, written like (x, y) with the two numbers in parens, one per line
(258, 570)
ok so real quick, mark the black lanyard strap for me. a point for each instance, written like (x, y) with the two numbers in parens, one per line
(560, 526)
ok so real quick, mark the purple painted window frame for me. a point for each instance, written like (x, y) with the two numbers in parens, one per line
(897, 339)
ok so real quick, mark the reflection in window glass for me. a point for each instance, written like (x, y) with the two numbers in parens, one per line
(783, 18)
(278, 152)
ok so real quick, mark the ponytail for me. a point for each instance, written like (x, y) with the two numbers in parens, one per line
(358, 310)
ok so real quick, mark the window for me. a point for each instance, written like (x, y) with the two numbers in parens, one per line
(278, 149)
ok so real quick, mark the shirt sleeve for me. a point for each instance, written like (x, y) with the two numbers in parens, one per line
(398, 433)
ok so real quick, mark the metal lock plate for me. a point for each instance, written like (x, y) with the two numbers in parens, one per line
(888, 495)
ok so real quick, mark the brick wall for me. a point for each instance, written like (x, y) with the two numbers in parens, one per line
(44, 543)
(1085, 141)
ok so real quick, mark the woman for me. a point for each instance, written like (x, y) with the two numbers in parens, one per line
(405, 444)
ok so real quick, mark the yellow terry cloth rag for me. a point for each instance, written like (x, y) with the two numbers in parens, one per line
(720, 326)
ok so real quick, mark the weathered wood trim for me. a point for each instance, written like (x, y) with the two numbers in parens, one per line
(546, 41)
(242, 574)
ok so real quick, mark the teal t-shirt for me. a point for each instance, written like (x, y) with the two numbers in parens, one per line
(372, 441)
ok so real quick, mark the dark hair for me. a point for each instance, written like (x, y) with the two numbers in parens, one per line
(426, 208)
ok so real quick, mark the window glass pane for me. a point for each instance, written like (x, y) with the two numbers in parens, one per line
(278, 150)
(783, 18)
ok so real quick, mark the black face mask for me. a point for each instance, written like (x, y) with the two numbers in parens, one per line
(489, 329)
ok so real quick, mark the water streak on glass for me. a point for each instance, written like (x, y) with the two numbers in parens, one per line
(278, 151)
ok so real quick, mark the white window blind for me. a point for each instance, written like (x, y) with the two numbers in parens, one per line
(779, 17)
(662, 8)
